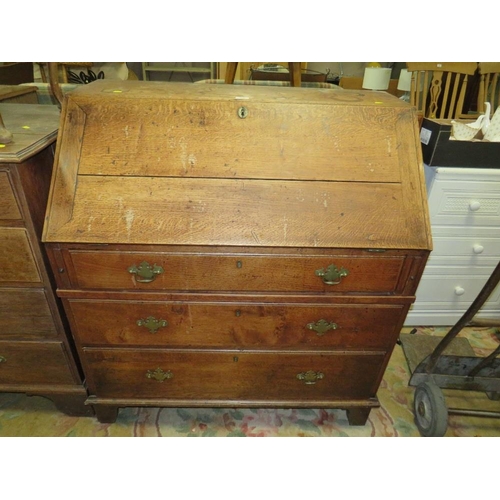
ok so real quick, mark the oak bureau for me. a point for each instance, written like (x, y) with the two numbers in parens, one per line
(242, 246)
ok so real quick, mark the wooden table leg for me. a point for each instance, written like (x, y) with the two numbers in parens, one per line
(295, 74)
(230, 72)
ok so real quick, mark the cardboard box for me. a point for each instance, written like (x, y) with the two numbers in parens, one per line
(439, 150)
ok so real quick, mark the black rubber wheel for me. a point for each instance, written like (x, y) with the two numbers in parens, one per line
(429, 406)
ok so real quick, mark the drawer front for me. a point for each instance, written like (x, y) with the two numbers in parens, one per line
(465, 203)
(474, 247)
(264, 273)
(17, 261)
(34, 363)
(208, 375)
(235, 325)
(25, 312)
(454, 292)
(8, 205)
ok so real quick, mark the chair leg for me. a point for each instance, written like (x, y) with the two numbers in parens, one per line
(230, 72)
(295, 74)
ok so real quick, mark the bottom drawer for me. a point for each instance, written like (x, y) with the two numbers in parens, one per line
(34, 363)
(232, 375)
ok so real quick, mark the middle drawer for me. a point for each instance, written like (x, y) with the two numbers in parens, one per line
(235, 324)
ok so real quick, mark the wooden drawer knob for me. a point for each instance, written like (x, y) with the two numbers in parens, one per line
(478, 248)
(459, 290)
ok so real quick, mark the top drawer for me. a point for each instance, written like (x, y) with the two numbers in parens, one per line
(464, 203)
(362, 272)
(8, 206)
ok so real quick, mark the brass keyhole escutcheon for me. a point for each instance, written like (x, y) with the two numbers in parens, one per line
(242, 112)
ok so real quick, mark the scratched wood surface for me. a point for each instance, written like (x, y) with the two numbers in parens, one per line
(142, 210)
(208, 139)
(130, 155)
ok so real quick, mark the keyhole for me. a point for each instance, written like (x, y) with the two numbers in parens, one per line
(242, 112)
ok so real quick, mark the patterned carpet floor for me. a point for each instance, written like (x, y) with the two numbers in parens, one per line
(35, 416)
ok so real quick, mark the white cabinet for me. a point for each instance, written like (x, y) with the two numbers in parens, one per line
(464, 207)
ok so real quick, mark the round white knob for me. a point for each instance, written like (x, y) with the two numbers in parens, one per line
(459, 290)
(478, 248)
(474, 206)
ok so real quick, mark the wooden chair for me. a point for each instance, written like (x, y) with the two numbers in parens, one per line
(62, 70)
(489, 88)
(438, 90)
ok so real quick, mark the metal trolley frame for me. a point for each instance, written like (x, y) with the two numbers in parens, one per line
(446, 371)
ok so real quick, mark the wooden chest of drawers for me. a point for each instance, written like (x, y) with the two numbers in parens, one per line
(36, 352)
(231, 246)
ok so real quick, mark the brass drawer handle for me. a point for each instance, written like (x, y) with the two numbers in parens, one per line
(3, 360)
(152, 324)
(322, 326)
(159, 374)
(310, 377)
(332, 275)
(145, 271)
